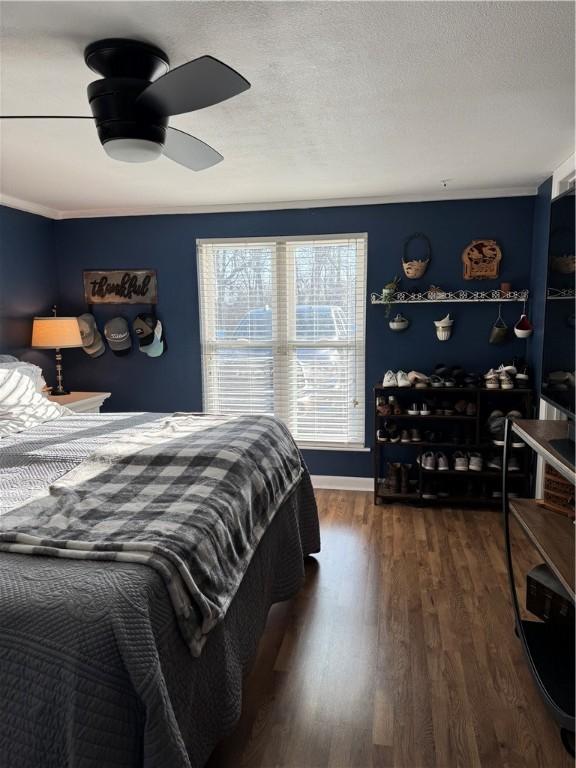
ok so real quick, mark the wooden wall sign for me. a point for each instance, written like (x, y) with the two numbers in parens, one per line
(121, 286)
(481, 260)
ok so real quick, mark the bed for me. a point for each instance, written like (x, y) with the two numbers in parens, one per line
(95, 667)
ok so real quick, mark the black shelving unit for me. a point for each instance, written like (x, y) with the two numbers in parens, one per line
(475, 439)
(548, 646)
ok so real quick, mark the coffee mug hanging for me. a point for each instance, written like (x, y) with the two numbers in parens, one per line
(416, 268)
(499, 332)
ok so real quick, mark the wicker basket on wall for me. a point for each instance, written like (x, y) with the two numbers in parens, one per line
(415, 268)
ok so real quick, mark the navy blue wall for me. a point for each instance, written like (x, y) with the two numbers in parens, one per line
(167, 243)
(28, 283)
(539, 276)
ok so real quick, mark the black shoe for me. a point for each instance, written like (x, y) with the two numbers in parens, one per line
(458, 374)
(428, 491)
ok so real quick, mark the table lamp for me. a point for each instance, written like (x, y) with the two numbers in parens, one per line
(56, 333)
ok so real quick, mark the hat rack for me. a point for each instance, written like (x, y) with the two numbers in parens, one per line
(450, 297)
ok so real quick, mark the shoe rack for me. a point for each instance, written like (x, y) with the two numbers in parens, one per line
(459, 432)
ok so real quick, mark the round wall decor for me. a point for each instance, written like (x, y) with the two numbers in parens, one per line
(481, 259)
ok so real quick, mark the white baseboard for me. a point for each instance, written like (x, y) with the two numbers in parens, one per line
(336, 483)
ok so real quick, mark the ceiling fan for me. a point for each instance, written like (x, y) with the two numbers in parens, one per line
(137, 94)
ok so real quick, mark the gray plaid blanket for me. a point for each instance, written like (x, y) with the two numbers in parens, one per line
(190, 496)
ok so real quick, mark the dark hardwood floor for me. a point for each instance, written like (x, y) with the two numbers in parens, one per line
(399, 651)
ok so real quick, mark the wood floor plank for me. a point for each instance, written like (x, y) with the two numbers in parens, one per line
(398, 652)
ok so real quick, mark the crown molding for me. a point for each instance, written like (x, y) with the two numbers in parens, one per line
(93, 213)
(29, 207)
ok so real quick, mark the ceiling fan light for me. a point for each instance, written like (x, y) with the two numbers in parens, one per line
(133, 150)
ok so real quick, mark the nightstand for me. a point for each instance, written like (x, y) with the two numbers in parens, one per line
(81, 402)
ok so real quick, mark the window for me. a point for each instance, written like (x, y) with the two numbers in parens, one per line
(282, 327)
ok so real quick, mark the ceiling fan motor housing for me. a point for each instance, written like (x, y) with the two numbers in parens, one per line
(118, 116)
(128, 67)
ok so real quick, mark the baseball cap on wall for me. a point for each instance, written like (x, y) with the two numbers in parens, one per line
(92, 341)
(150, 334)
(143, 326)
(118, 336)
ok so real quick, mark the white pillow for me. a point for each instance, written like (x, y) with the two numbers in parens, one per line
(21, 406)
(27, 369)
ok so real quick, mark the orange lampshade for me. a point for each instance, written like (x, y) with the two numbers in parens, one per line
(56, 333)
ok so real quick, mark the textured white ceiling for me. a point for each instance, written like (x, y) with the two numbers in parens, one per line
(348, 100)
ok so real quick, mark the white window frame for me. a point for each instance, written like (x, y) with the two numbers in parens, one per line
(280, 341)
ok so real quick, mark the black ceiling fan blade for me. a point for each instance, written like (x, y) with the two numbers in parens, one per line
(189, 151)
(46, 117)
(195, 85)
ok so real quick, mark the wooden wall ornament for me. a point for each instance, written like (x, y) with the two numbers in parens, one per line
(120, 286)
(481, 259)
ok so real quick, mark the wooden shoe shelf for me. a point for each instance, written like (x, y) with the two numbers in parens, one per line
(472, 438)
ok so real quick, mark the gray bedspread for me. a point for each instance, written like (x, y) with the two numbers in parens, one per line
(190, 496)
(93, 668)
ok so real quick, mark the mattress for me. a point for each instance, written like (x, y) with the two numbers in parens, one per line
(93, 668)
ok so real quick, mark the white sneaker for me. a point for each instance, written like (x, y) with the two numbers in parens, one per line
(460, 461)
(429, 460)
(505, 381)
(475, 463)
(442, 460)
(390, 379)
(403, 380)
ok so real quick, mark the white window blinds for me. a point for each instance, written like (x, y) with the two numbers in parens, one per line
(282, 330)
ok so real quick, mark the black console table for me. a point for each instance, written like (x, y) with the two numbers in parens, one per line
(548, 646)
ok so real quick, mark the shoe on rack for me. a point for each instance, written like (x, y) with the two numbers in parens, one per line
(442, 461)
(416, 378)
(441, 370)
(384, 409)
(460, 461)
(513, 464)
(447, 408)
(405, 436)
(393, 433)
(425, 409)
(415, 436)
(522, 372)
(475, 462)
(428, 491)
(390, 379)
(392, 479)
(495, 462)
(460, 406)
(492, 379)
(404, 477)
(414, 410)
(394, 406)
(458, 373)
(436, 381)
(471, 380)
(471, 409)
(428, 460)
(506, 381)
(450, 382)
(403, 380)
(382, 436)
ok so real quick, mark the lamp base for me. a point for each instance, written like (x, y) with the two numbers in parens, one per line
(59, 388)
(59, 391)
